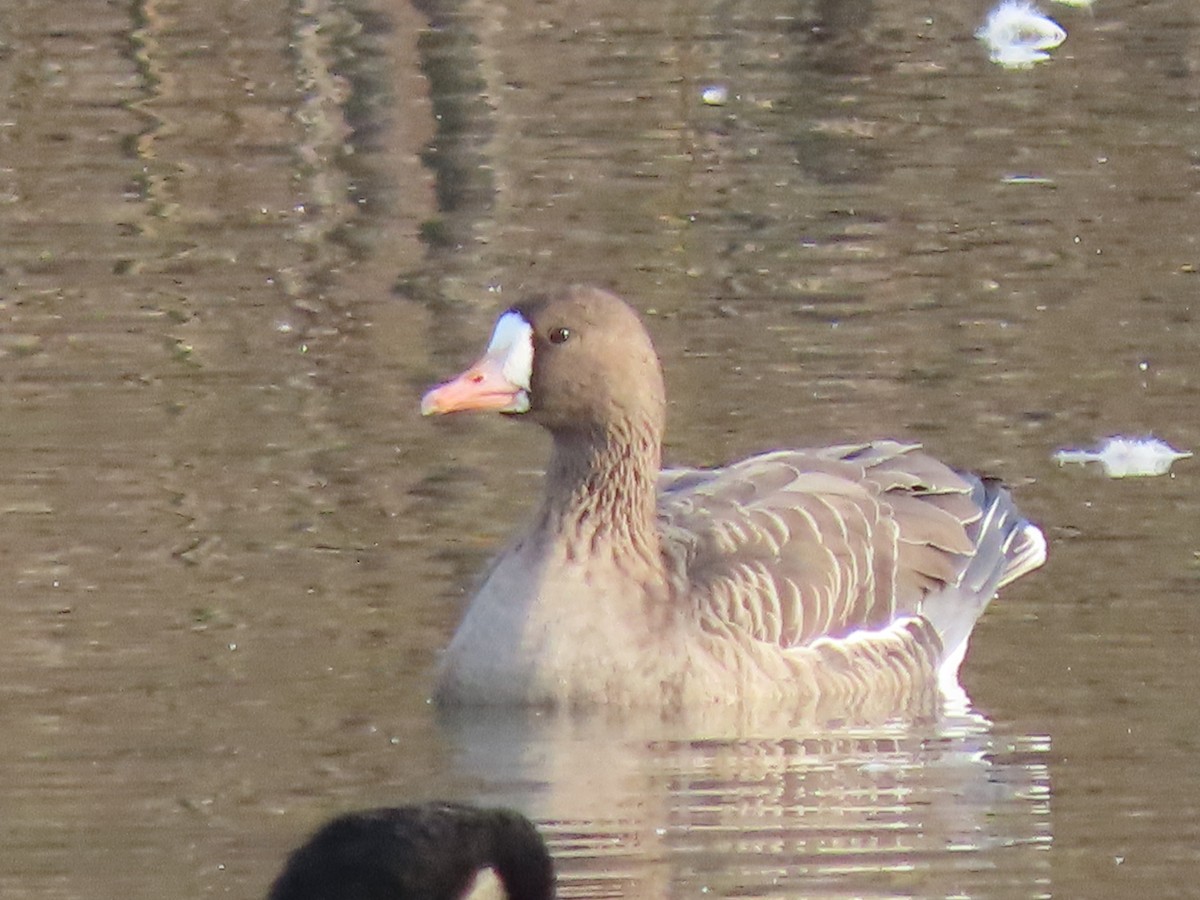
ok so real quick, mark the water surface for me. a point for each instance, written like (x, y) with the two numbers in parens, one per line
(241, 238)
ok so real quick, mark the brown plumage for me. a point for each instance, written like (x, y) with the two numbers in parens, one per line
(828, 582)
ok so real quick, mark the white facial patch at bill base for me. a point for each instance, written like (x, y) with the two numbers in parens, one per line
(512, 346)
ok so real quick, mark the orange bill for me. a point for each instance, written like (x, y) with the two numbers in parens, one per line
(481, 387)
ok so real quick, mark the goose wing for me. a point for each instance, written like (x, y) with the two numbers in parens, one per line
(794, 546)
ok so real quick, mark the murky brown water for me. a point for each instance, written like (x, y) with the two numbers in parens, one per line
(239, 238)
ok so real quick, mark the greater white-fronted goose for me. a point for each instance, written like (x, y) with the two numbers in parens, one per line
(428, 851)
(806, 579)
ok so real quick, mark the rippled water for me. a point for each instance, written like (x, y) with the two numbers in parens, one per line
(631, 812)
(240, 238)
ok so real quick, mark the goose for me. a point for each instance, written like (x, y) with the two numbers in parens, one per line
(815, 580)
(426, 851)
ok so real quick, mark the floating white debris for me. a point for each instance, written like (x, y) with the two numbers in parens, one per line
(1028, 179)
(715, 95)
(1125, 457)
(1018, 35)
(1017, 57)
(1081, 4)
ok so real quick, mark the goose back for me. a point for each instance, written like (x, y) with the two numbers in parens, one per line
(799, 546)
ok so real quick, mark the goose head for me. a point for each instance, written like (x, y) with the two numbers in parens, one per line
(578, 361)
(426, 851)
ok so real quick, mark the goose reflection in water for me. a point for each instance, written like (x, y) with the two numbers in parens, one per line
(646, 809)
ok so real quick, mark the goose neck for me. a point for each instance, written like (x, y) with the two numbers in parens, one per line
(601, 491)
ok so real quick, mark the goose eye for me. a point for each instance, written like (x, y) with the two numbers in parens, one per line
(559, 335)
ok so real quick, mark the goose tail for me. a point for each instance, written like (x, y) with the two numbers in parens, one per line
(1007, 546)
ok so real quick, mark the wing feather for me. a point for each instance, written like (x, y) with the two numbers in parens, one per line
(793, 547)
